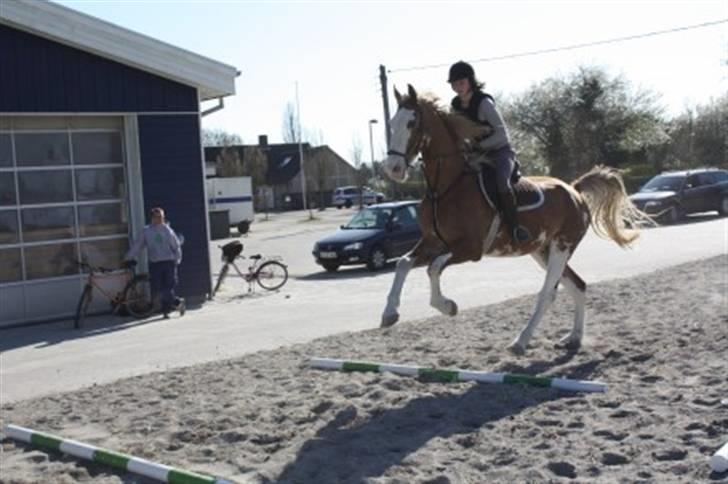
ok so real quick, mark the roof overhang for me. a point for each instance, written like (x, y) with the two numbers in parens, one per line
(64, 25)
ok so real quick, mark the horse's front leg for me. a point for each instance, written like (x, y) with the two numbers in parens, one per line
(437, 300)
(390, 315)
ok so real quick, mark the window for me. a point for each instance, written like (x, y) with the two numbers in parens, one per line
(100, 183)
(47, 223)
(45, 186)
(6, 151)
(62, 198)
(42, 149)
(97, 148)
(9, 227)
(7, 189)
(406, 216)
(11, 269)
(106, 219)
(721, 176)
(52, 260)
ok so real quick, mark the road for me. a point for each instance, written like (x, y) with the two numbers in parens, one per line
(50, 358)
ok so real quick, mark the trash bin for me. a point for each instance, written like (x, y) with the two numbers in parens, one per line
(219, 224)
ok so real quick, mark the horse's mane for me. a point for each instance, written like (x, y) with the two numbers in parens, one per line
(460, 126)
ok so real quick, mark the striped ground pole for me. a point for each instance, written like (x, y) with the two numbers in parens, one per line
(460, 375)
(117, 460)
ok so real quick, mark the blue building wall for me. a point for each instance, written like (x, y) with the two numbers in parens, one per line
(173, 179)
(39, 75)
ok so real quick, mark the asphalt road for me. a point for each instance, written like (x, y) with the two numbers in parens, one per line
(50, 358)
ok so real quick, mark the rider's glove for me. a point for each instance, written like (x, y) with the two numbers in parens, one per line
(129, 264)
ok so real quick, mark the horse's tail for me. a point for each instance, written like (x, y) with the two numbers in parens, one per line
(611, 209)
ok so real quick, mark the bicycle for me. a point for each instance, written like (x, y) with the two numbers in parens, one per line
(135, 297)
(269, 272)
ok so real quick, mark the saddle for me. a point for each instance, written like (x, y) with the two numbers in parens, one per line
(528, 194)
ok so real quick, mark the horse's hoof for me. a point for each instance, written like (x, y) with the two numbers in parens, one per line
(389, 320)
(517, 348)
(453, 308)
(569, 343)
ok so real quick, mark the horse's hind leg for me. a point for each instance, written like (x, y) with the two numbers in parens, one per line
(556, 263)
(437, 300)
(577, 289)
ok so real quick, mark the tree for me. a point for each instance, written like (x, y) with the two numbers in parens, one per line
(588, 118)
(219, 137)
(699, 136)
(290, 124)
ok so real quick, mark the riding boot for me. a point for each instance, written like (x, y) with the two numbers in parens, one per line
(510, 214)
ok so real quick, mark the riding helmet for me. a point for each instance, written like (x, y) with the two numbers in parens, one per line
(461, 70)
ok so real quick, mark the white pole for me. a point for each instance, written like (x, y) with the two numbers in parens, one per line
(300, 149)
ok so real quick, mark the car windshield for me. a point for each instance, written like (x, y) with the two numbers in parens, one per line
(370, 218)
(663, 184)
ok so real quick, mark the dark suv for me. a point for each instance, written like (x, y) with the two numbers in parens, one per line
(373, 236)
(671, 195)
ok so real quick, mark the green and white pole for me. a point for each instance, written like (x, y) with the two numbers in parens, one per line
(117, 460)
(460, 375)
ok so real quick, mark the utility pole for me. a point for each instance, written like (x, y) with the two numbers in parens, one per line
(300, 153)
(385, 100)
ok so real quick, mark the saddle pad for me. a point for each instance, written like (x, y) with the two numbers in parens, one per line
(528, 194)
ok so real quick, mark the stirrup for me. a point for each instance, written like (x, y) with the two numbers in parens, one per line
(521, 234)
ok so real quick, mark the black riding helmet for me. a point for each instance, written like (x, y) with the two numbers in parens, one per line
(461, 70)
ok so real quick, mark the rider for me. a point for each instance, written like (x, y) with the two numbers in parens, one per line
(479, 106)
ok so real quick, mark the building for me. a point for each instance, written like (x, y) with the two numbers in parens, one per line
(276, 172)
(97, 125)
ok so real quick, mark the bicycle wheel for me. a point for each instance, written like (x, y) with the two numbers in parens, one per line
(82, 306)
(220, 278)
(137, 297)
(271, 275)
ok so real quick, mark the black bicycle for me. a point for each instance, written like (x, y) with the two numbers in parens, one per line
(134, 298)
(269, 272)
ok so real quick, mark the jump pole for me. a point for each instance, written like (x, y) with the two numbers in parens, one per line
(452, 375)
(117, 460)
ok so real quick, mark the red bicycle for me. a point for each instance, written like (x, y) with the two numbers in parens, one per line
(135, 298)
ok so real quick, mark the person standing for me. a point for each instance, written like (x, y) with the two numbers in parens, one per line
(165, 254)
(496, 149)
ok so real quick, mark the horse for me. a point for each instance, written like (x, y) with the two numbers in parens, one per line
(460, 223)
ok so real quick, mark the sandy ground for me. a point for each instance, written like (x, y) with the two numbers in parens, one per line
(659, 340)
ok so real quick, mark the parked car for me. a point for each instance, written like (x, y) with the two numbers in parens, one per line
(670, 196)
(351, 195)
(373, 236)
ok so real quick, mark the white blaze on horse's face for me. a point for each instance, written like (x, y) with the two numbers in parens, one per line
(395, 166)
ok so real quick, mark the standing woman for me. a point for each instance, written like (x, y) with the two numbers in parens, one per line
(479, 106)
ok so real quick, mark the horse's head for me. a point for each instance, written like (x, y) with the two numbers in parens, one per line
(407, 135)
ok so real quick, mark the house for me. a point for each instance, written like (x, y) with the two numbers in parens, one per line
(98, 124)
(276, 172)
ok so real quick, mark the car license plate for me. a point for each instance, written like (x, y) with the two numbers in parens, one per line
(328, 255)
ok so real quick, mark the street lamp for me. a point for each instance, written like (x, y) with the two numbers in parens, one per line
(371, 143)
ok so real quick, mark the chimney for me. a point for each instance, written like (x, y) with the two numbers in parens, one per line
(263, 140)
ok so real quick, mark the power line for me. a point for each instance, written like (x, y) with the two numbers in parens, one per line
(569, 47)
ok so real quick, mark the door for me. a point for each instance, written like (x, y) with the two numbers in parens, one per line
(406, 232)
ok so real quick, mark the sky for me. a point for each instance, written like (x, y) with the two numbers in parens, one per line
(331, 53)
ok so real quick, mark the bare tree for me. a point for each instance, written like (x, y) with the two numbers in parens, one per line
(219, 137)
(290, 124)
(356, 157)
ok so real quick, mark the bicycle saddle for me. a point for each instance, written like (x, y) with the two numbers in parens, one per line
(256, 256)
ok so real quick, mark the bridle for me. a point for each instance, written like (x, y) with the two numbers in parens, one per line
(415, 142)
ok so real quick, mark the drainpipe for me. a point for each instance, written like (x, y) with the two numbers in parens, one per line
(220, 105)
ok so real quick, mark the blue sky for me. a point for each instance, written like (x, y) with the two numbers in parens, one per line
(333, 50)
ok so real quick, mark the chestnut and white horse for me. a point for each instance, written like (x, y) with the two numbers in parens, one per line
(460, 224)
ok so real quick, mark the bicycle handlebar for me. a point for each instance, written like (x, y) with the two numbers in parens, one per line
(92, 268)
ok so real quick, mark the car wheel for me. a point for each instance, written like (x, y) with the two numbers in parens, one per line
(723, 209)
(331, 267)
(377, 259)
(348, 203)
